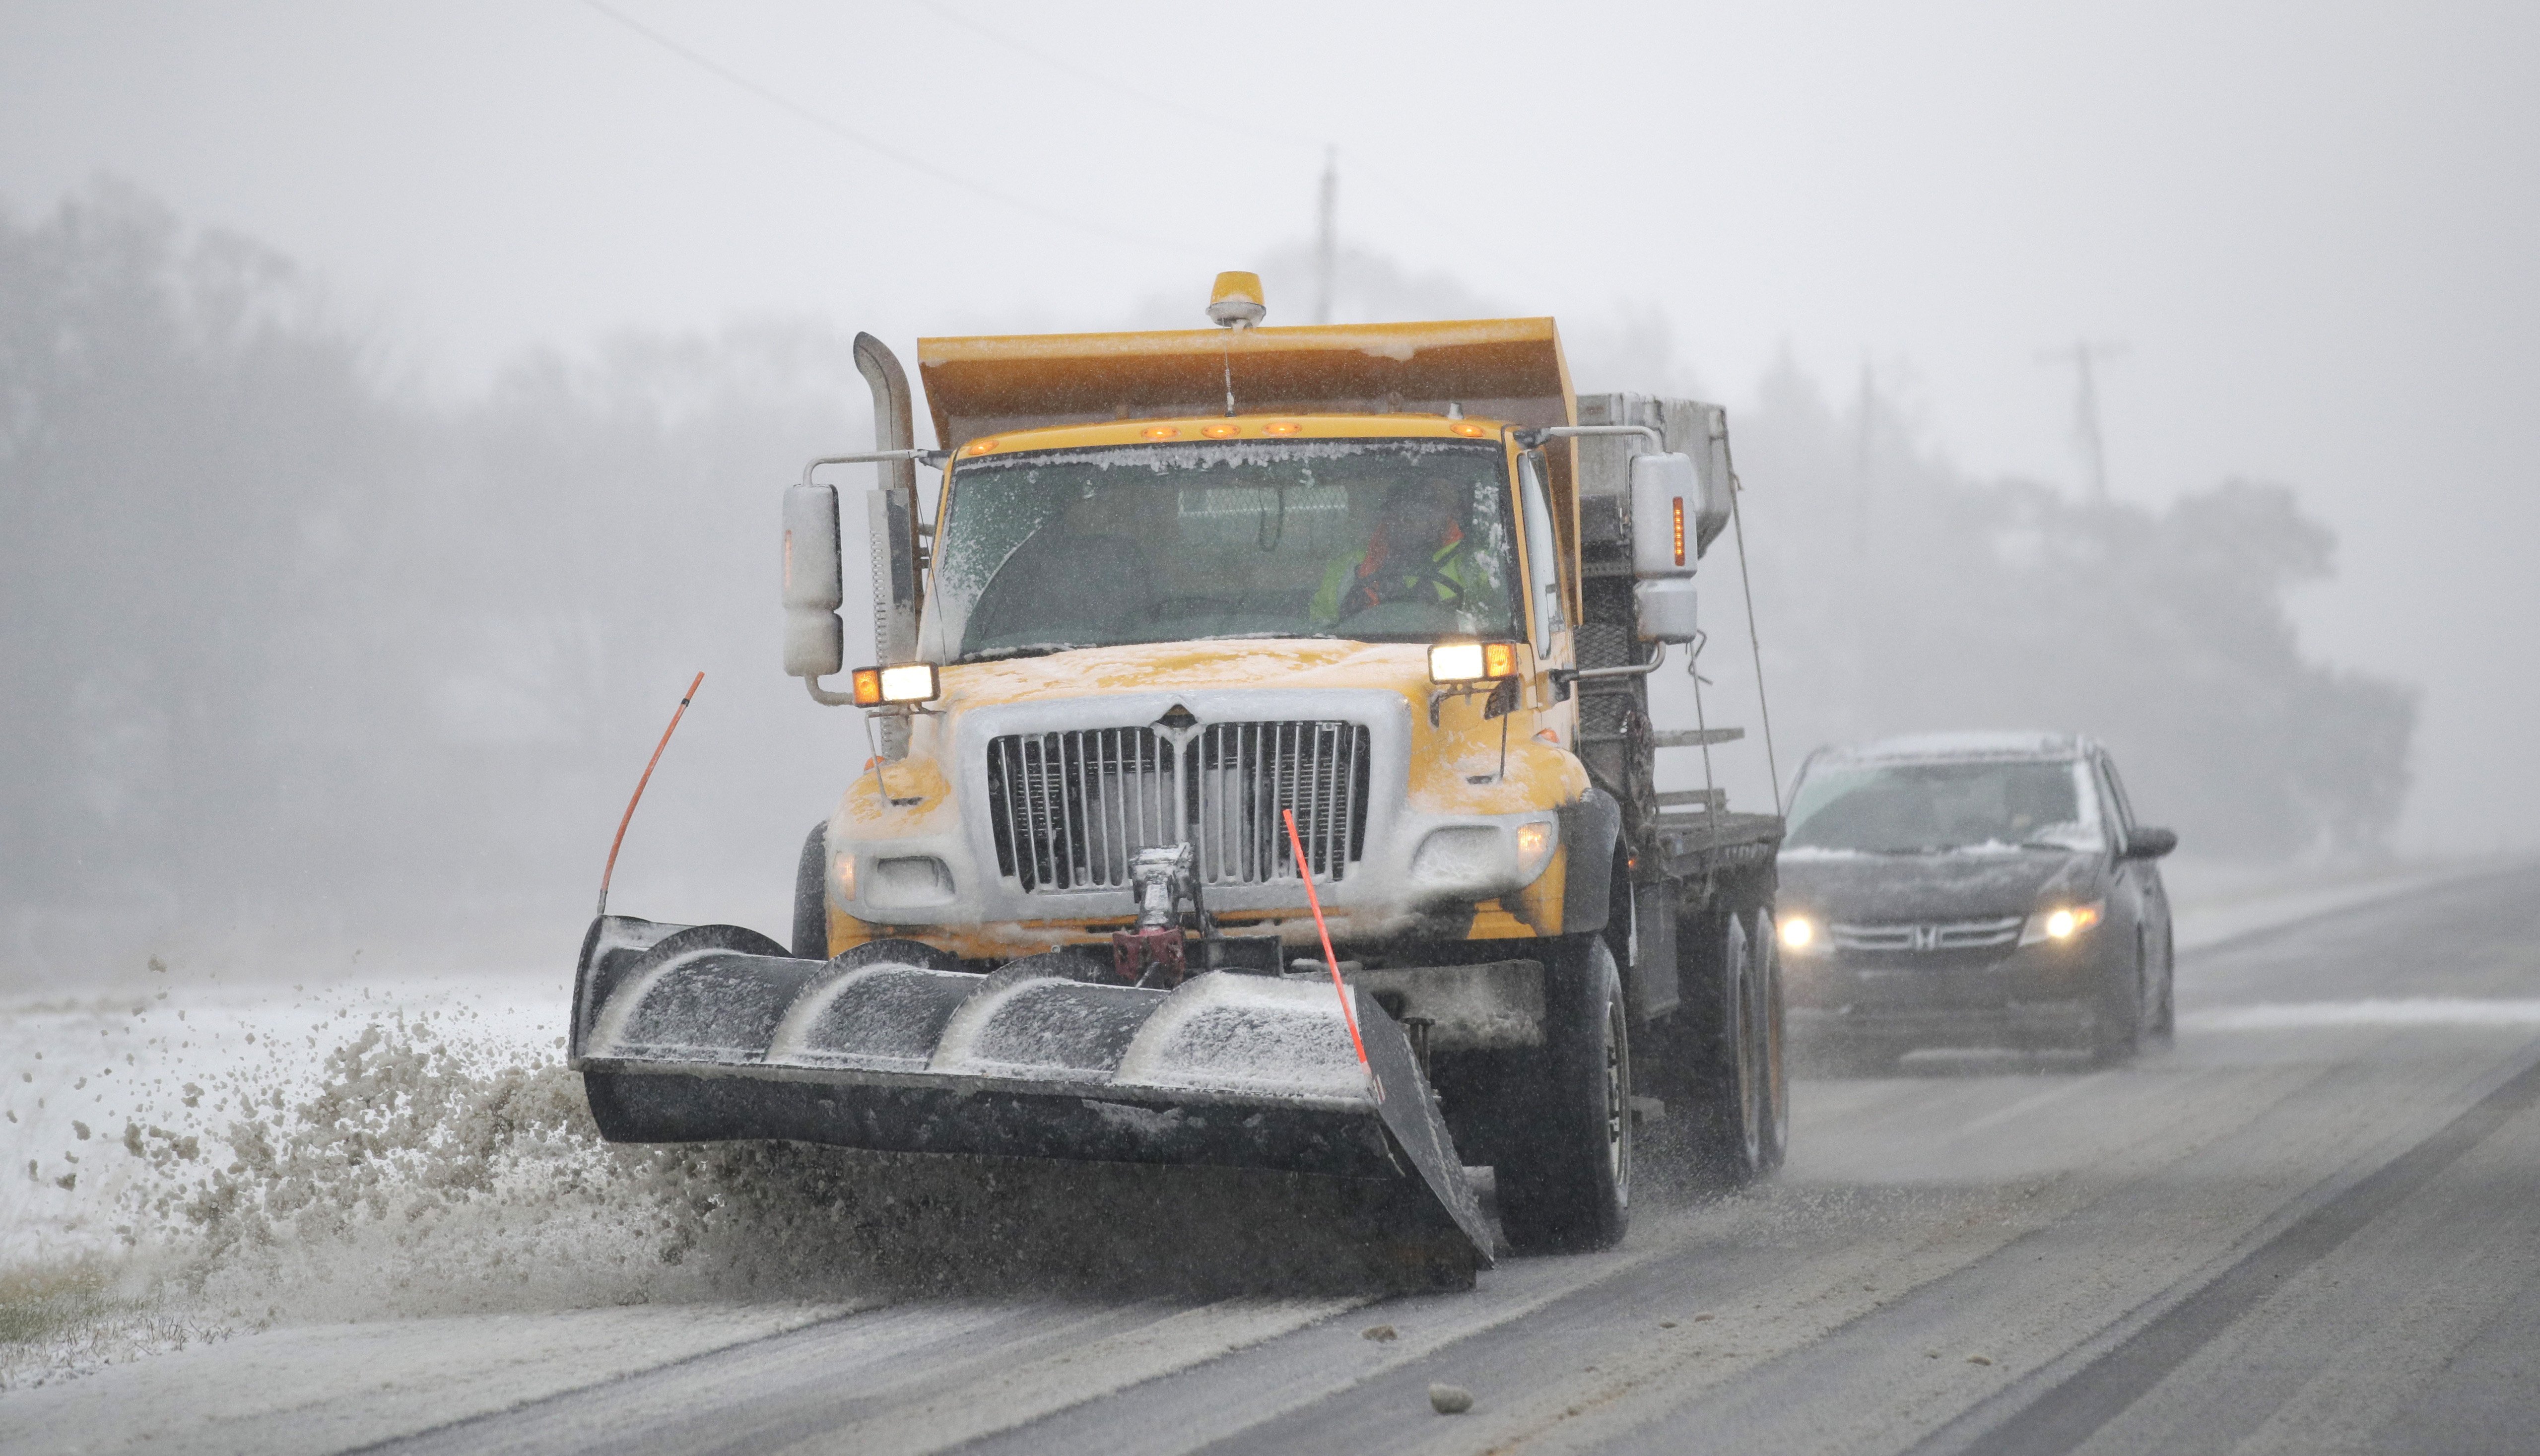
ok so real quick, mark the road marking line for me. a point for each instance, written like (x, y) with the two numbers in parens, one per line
(2070, 1413)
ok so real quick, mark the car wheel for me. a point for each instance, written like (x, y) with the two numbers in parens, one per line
(1565, 1176)
(2164, 1012)
(2116, 1029)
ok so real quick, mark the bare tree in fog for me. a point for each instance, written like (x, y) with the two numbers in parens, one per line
(177, 438)
(1900, 596)
(286, 647)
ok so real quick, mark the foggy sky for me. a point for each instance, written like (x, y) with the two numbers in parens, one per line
(2312, 226)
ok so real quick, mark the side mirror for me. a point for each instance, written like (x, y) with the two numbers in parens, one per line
(814, 639)
(1665, 610)
(2148, 844)
(1666, 507)
(1666, 510)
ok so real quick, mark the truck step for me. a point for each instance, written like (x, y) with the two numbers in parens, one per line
(1708, 801)
(1695, 737)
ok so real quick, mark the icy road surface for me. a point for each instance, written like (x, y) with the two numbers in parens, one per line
(2313, 1225)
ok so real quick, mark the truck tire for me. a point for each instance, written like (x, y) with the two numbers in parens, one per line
(1723, 1049)
(811, 896)
(1565, 1164)
(1775, 1124)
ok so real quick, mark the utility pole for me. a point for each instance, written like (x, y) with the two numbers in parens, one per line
(2085, 408)
(1326, 224)
(1862, 466)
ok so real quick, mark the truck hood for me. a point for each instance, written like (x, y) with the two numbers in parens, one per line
(1862, 889)
(1159, 667)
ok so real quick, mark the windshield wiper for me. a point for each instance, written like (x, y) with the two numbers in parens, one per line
(1029, 650)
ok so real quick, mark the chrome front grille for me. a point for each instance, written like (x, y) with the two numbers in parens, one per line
(1069, 809)
(1956, 934)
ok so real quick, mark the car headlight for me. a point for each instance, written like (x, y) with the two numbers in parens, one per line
(2061, 922)
(1799, 936)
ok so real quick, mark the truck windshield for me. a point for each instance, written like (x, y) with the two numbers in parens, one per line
(1908, 808)
(1373, 540)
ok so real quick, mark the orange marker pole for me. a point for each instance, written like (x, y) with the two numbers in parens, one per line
(1330, 961)
(629, 817)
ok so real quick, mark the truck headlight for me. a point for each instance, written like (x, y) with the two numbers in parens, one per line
(1471, 661)
(1483, 859)
(910, 682)
(909, 882)
(1534, 850)
(2061, 922)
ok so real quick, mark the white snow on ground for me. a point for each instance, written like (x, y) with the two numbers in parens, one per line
(285, 1391)
(396, 1182)
(187, 1164)
(2408, 1012)
(2214, 904)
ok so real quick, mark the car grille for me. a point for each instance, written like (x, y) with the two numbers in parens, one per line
(1955, 935)
(1069, 809)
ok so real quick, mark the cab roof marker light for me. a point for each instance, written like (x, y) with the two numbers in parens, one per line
(1469, 430)
(1162, 432)
(980, 446)
(1219, 432)
(1280, 426)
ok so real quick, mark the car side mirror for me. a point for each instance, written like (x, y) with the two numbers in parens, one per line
(2150, 844)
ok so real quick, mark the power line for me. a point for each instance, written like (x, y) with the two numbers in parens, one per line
(1406, 199)
(1117, 88)
(881, 149)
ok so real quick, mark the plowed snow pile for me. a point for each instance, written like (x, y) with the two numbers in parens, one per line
(227, 1162)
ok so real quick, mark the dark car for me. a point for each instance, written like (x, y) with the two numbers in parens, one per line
(1972, 891)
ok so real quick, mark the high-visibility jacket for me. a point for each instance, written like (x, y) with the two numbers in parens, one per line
(1348, 584)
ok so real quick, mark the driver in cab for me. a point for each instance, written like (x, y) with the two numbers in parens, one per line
(1417, 553)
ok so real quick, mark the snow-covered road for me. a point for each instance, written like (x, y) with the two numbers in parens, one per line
(392, 1227)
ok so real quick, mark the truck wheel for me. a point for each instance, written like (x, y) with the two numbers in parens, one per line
(1775, 1125)
(2117, 1030)
(811, 896)
(1565, 1177)
(1724, 1052)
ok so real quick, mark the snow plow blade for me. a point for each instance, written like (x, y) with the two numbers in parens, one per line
(709, 1033)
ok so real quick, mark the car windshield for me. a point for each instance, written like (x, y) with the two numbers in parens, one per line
(1374, 541)
(1907, 809)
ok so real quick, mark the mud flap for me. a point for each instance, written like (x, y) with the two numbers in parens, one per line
(706, 1033)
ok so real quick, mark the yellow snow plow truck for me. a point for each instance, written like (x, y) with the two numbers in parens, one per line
(1261, 774)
